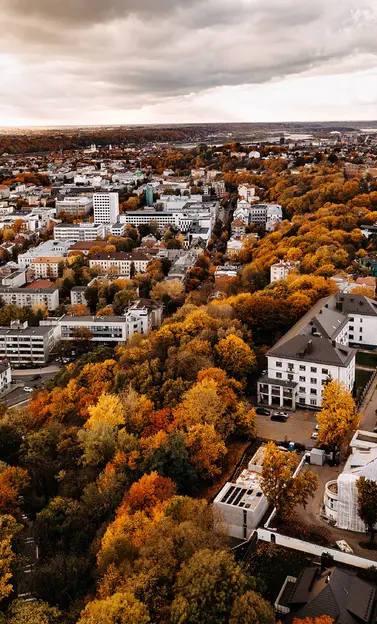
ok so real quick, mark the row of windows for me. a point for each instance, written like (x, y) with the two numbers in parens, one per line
(302, 367)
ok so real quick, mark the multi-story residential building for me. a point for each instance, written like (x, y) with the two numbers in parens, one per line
(281, 270)
(47, 266)
(74, 206)
(4, 191)
(120, 262)
(35, 293)
(78, 295)
(149, 310)
(138, 319)
(313, 351)
(246, 191)
(238, 228)
(49, 249)
(24, 345)
(361, 312)
(118, 229)
(106, 208)
(79, 231)
(5, 377)
(11, 276)
(145, 217)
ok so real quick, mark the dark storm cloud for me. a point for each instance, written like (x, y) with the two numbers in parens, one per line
(65, 55)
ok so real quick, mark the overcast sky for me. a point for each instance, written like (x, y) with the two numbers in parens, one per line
(158, 61)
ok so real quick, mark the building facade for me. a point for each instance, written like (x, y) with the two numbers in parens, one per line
(24, 345)
(120, 262)
(79, 231)
(74, 206)
(30, 296)
(106, 208)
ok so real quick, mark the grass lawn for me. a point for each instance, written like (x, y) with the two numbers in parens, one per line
(366, 359)
(361, 378)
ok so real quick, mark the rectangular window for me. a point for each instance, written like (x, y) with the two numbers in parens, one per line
(290, 377)
(313, 369)
(313, 401)
(301, 400)
(352, 319)
(313, 380)
(302, 368)
(279, 375)
(302, 379)
(313, 391)
(351, 336)
(279, 364)
(301, 389)
(360, 329)
(351, 327)
(325, 371)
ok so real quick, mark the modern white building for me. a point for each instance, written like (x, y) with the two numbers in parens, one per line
(242, 504)
(281, 270)
(106, 208)
(24, 345)
(74, 206)
(340, 496)
(310, 353)
(79, 231)
(77, 295)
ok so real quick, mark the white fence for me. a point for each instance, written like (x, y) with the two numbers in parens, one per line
(290, 542)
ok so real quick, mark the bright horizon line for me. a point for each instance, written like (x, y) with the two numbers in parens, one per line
(196, 123)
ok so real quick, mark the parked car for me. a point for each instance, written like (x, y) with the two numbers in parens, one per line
(263, 411)
(285, 414)
(314, 435)
(317, 427)
(279, 417)
(344, 547)
(27, 389)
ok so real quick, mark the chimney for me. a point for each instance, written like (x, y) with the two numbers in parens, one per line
(310, 346)
(333, 342)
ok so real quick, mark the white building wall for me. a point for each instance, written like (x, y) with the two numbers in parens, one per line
(362, 329)
(106, 207)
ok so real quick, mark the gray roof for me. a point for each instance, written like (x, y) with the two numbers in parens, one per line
(89, 320)
(27, 331)
(357, 304)
(316, 349)
(339, 594)
(30, 291)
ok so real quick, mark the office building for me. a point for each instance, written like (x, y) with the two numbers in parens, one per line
(79, 231)
(24, 345)
(106, 208)
(74, 206)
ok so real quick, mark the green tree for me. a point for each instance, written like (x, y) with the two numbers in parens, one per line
(367, 503)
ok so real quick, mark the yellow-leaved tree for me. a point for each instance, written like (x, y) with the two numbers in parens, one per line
(282, 489)
(338, 418)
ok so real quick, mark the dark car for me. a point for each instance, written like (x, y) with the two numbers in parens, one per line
(262, 411)
(35, 377)
(279, 417)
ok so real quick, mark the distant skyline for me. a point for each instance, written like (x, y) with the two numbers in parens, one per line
(96, 62)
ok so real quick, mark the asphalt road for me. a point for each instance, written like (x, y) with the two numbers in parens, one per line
(18, 396)
(298, 428)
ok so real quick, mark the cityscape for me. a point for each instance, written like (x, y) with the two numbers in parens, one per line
(188, 313)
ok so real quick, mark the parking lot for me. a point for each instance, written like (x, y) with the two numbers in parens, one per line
(298, 428)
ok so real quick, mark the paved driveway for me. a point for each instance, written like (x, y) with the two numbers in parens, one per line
(298, 428)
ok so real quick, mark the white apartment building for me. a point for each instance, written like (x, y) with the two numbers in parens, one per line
(281, 270)
(74, 206)
(145, 217)
(77, 295)
(310, 353)
(113, 329)
(30, 296)
(49, 249)
(21, 344)
(106, 208)
(5, 377)
(246, 191)
(79, 232)
(242, 504)
(120, 262)
(362, 317)
(45, 266)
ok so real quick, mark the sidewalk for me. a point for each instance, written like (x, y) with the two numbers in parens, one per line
(53, 368)
(368, 407)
